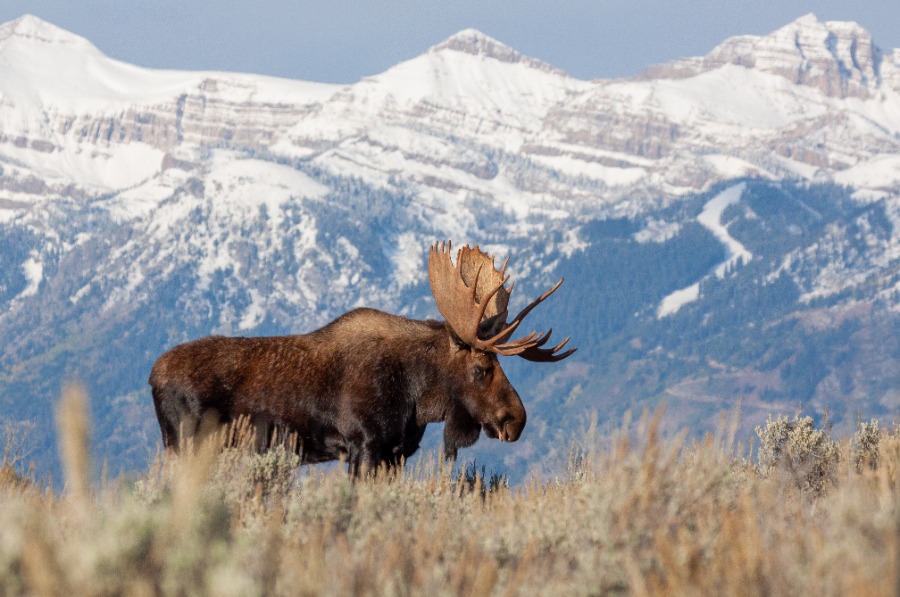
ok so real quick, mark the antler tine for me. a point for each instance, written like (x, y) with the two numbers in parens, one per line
(535, 303)
(546, 355)
(531, 341)
(558, 346)
(517, 346)
(441, 247)
(543, 339)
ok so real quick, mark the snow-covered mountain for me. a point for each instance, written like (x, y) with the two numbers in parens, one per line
(139, 207)
(814, 100)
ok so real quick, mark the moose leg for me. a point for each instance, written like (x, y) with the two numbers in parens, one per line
(169, 431)
(363, 457)
(264, 434)
(169, 414)
(177, 421)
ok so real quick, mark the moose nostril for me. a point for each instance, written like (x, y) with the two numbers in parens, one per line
(512, 428)
(505, 427)
(502, 420)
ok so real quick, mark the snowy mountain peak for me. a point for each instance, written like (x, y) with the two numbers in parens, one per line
(837, 58)
(468, 84)
(472, 41)
(44, 67)
(30, 29)
(476, 43)
(809, 30)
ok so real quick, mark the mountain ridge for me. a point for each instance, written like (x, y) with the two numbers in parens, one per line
(233, 204)
(443, 92)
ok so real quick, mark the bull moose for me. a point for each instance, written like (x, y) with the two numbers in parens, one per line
(363, 387)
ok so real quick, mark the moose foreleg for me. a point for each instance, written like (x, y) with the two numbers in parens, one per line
(362, 456)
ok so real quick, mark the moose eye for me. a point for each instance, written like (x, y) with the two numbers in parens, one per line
(479, 372)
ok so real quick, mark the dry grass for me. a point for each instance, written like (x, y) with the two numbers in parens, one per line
(635, 514)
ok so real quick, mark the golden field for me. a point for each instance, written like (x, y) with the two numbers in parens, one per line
(634, 514)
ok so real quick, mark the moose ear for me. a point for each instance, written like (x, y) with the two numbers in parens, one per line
(491, 326)
(455, 341)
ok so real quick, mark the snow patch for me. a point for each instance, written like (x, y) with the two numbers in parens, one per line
(657, 231)
(112, 167)
(79, 294)
(33, 269)
(727, 166)
(254, 313)
(572, 242)
(880, 172)
(610, 175)
(140, 200)
(247, 183)
(711, 218)
(675, 301)
(407, 260)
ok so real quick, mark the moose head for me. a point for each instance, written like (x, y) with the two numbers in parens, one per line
(473, 298)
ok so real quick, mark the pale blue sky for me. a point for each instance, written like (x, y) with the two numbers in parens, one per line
(339, 41)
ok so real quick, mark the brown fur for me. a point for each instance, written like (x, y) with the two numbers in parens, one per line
(362, 388)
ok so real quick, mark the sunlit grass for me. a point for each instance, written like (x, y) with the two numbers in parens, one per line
(635, 513)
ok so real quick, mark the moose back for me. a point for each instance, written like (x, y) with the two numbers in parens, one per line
(364, 387)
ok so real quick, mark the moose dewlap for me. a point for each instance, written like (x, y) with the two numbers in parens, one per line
(364, 387)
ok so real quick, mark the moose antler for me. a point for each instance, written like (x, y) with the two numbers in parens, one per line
(472, 296)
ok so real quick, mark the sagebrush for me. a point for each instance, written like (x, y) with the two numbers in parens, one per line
(635, 514)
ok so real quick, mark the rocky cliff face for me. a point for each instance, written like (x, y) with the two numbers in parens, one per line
(838, 59)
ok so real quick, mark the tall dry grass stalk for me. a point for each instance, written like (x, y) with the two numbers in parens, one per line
(637, 513)
(74, 430)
